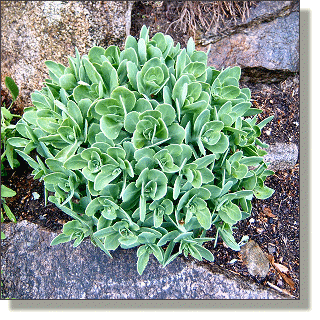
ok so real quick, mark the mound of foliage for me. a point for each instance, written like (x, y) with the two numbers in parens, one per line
(147, 147)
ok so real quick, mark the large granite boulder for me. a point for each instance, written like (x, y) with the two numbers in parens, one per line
(32, 269)
(268, 40)
(35, 31)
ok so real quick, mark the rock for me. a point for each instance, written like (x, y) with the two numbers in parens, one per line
(281, 156)
(266, 41)
(271, 248)
(35, 31)
(32, 269)
(255, 260)
(264, 11)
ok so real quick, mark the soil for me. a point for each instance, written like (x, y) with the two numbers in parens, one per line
(274, 223)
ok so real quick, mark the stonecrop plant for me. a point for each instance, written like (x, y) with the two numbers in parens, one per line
(147, 147)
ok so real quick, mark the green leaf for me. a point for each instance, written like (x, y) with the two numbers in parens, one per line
(56, 69)
(230, 92)
(131, 121)
(12, 87)
(262, 192)
(8, 211)
(205, 161)
(95, 54)
(232, 211)
(176, 133)
(190, 47)
(142, 262)
(167, 112)
(182, 236)
(61, 238)
(204, 218)
(67, 81)
(147, 237)
(7, 192)
(221, 146)
(75, 162)
(251, 161)
(205, 253)
(91, 71)
(125, 97)
(130, 192)
(229, 240)
(168, 237)
(82, 92)
(18, 142)
(111, 126)
(111, 241)
(265, 121)
(241, 108)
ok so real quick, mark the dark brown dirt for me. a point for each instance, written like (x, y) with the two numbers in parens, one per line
(274, 223)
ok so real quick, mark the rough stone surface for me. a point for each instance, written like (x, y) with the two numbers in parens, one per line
(267, 40)
(264, 11)
(35, 31)
(255, 260)
(32, 269)
(281, 156)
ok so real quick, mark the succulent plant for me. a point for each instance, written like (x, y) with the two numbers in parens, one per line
(148, 147)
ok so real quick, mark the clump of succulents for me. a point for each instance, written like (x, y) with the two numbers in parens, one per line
(147, 147)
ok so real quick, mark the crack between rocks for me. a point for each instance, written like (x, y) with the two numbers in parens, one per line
(284, 12)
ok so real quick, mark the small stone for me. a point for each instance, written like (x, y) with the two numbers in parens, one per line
(260, 230)
(255, 260)
(233, 261)
(268, 132)
(35, 195)
(271, 248)
(280, 283)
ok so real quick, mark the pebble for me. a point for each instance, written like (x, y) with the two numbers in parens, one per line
(255, 260)
(271, 248)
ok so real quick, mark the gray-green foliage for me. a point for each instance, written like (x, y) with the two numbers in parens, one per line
(147, 147)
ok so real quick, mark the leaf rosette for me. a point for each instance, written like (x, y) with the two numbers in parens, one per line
(152, 77)
(150, 129)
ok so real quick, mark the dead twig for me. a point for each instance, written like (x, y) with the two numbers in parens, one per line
(279, 289)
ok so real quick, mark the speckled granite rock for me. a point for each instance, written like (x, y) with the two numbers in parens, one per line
(35, 31)
(34, 270)
(281, 156)
(268, 40)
